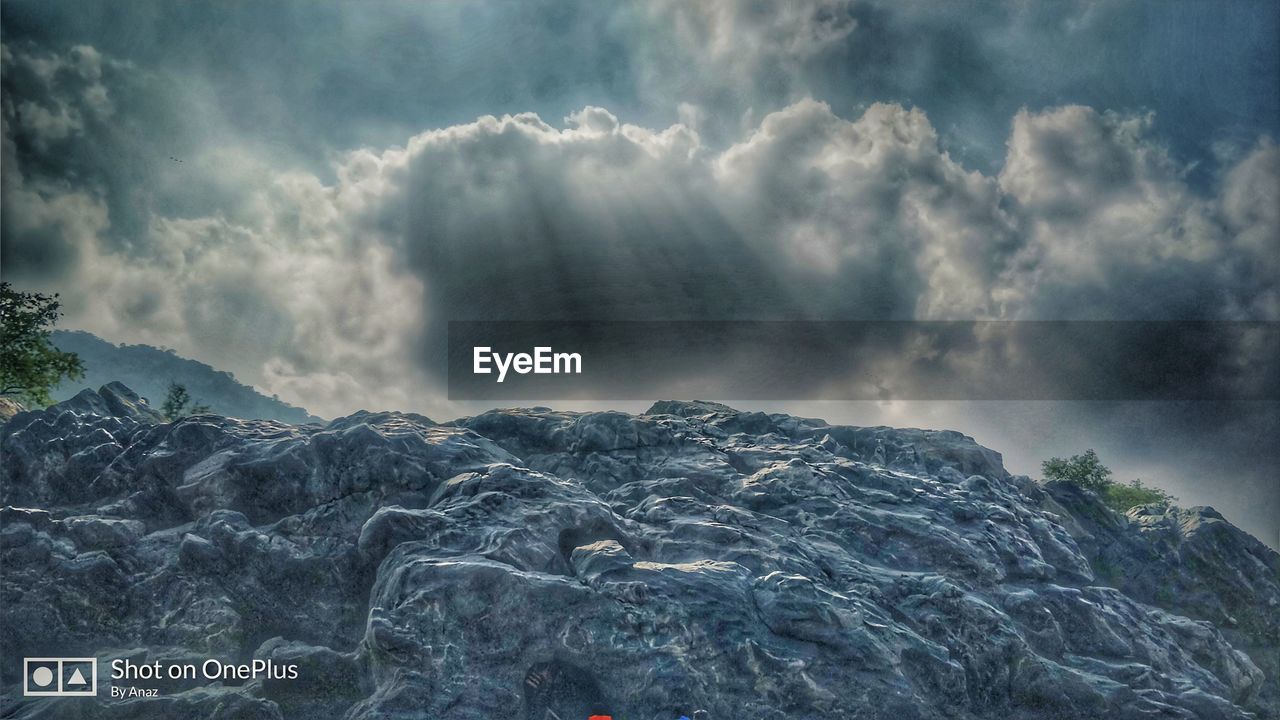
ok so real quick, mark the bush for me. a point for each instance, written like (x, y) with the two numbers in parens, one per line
(1088, 472)
(1121, 497)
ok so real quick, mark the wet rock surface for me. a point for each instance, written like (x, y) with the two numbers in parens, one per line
(534, 564)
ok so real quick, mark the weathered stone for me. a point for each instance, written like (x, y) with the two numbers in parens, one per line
(690, 560)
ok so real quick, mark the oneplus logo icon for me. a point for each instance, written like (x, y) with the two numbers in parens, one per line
(59, 677)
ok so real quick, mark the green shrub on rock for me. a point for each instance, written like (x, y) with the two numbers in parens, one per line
(1088, 472)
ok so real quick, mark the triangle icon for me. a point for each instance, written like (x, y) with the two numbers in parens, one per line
(77, 678)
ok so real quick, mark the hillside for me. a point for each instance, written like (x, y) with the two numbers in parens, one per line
(149, 370)
(691, 560)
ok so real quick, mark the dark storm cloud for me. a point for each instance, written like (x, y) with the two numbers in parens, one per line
(306, 78)
(78, 121)
(44, 233)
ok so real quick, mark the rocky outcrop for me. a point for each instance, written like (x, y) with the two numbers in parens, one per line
(1190, 561)
(534, 564)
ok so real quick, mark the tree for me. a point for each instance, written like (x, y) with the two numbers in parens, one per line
(1088, 472)
(1083, 470)
(176, 402)
(30, 366)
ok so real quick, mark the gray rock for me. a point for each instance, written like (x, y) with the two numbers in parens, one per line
(1188, 561)
(691, 560)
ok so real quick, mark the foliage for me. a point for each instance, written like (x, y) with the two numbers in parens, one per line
(1120, 497)
(1088, 472)
(30, 366)
(178, 404)
(1083, 470)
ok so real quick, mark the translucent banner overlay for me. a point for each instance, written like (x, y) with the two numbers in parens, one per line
(880, 360)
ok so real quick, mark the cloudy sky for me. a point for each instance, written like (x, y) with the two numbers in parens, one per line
(304, 193)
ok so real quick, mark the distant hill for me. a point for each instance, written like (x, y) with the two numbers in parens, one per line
(149, 370)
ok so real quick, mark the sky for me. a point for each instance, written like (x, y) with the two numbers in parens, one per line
(305, 193)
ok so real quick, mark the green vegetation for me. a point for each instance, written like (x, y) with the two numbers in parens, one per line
(1084, 470)
(178, 404)
(30, 366)
(1122, 496)
(1088, 472)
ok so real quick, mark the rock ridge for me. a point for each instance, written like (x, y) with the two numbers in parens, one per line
(692, 557)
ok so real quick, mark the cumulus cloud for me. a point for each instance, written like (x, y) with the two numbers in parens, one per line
(335, 291)
(1113, 231)
(870, 217)
(47, 228)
